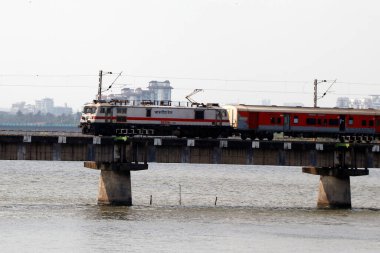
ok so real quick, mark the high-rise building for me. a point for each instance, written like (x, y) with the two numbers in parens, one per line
(158, 92)
(45, 105)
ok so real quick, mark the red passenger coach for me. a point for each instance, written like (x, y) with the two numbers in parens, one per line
(263, 121)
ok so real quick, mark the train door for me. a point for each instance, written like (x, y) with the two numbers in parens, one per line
(219, 117)
(286, 122)
(253, 120)
(377, 125)
(342, 123)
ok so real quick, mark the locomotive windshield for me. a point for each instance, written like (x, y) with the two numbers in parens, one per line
(89, 109)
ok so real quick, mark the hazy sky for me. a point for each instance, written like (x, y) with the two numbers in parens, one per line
(239, 51)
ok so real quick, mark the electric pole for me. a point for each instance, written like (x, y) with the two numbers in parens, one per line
(100, 85)
(316, 90)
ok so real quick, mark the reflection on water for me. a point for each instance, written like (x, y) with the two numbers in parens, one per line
(51, 206)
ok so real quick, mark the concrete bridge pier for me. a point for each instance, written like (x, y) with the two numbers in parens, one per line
(115, 177)
(334, 182)
(334, 192)
(115, 188)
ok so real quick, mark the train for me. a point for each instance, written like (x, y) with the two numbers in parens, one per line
(215, 121)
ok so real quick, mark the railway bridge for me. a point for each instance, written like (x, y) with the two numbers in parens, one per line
(117, 156)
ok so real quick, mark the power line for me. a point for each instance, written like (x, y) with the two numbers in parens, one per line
(47, 86)
(187, 89)
(186, 78)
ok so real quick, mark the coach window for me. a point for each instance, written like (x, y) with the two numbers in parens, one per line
(371, 123)
(149, 112)
(199, 115)
(279, 121)
(108, 110)
(102, 110)
(310, 121)
(295, 120)
(333, 122)
(378, 122)
(350, 121)
(319, 122)
(272, 120)
(364, 122)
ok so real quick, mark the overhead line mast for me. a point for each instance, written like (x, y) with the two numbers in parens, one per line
(316, 90)
(100, 83)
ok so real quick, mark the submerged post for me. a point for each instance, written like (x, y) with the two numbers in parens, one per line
(115, 176)
(334, 182)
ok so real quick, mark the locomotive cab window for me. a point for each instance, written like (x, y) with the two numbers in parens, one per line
(89, 109)
(149, 112)
(199, 115)
(122, 110)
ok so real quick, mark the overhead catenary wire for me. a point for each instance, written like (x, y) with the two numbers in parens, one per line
(109, 87)
(324, 94)
(187, 78)
(91, 87)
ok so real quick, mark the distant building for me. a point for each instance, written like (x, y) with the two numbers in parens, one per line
(44, 106)
(294, 104)
(157, 91)
(160, 91)
(359, 103)
(343, 102)
(19, 106)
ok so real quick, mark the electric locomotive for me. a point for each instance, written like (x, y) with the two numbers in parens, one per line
(157, 119)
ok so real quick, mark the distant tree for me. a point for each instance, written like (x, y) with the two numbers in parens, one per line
(19, 113)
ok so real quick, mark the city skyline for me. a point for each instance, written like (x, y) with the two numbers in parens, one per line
(43, 106)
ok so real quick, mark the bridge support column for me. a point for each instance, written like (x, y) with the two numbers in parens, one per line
(115, 188)
(334, 182)
(115, 176)
(334, 192)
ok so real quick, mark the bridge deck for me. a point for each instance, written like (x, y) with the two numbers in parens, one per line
(77, 147)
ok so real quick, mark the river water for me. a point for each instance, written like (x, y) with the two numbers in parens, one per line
(51, 207)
